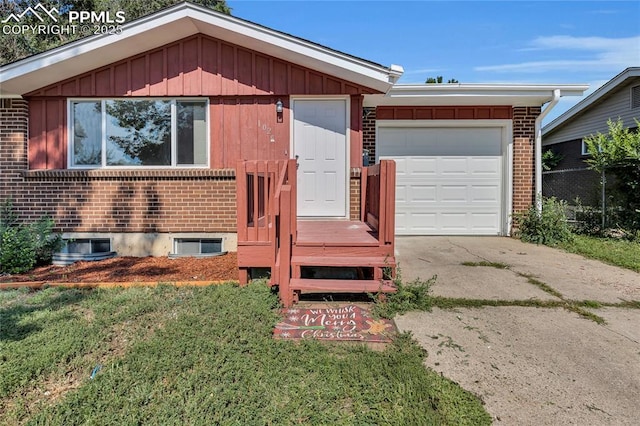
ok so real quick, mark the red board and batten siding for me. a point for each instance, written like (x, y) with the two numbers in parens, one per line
(242, 86)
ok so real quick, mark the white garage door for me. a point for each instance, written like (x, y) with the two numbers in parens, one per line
(449, 181)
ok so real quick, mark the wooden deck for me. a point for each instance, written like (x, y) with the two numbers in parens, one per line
(271, 236)
(336, 233)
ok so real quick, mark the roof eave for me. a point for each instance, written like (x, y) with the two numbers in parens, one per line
(594, 97)
(473, 94)
(174, 23)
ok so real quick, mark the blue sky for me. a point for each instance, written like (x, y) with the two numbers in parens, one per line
(585, 42)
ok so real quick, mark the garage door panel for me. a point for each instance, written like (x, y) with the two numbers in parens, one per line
(484, 221)
(410, 223)
(484, 193)
(453, 193)
(449, 181)
(422, 193)
(453, 222)
(448, 166)
(407, 194)
(485, 167)
(421, 166)
(439, 141)
(446, 223)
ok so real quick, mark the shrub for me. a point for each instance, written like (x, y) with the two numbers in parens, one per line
(23, 246)
(17, 252)
(549, 227)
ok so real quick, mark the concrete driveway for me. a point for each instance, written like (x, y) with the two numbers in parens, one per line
(530, 365)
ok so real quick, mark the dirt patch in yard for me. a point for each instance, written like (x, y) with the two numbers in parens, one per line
(136, 269)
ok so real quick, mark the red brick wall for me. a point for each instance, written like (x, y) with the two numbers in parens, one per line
(354, 195)
(112, 200)
(524, 119)
(369, 133)
(13, 143)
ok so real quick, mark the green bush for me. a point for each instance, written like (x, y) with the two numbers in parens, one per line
(549, 227)
(17, 253)
(23, 246)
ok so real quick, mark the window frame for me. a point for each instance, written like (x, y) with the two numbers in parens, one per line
(178, 240)
(174, 134)
(90, 241)
(583, 148)
(634, 97)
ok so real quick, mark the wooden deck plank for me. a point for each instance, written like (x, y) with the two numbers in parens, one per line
(357, 261)
(341, 286)
(346, 251)
(335, 233)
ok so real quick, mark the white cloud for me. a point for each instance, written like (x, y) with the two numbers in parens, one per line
(423, 71)
(606, 54)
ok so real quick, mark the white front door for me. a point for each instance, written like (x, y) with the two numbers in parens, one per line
(320, 145)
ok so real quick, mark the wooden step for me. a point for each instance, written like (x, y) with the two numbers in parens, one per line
(341, 286)
(351, 251)
(343, 261)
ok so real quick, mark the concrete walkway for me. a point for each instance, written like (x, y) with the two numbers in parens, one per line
(529, 365)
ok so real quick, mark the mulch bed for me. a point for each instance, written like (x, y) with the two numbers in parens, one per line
(135, 269)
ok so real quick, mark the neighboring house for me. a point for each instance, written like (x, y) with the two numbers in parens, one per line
(619, 98)
(132, 141)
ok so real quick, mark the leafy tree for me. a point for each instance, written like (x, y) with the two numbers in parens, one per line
(618, 153)
(438, 80)
(18, 46)
(550, 159)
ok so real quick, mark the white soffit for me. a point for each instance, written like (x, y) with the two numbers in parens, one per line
(173, 24)
(461, 94)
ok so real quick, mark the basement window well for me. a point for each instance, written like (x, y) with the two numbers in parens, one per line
(87, 249)
(198, 247)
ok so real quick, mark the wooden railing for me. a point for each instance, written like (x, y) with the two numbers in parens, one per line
(266, 199)
(378, 191)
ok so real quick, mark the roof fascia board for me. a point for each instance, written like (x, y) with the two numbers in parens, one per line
(486, 89)
(473, 94)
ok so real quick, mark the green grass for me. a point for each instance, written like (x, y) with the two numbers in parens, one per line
(542, 285)
(570, 305)
(205, 355)
(497, 265)
(623, 253)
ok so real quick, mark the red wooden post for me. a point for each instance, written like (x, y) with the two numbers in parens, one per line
(241, 199)
(270, 210)
(382, 203)
(363, 193)
(292, 180)
(286, 295)
(391, 203)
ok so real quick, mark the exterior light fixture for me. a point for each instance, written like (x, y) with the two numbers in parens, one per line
(279, 109)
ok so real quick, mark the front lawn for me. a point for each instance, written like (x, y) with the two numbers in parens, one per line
(205, 355)
(623, 253)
